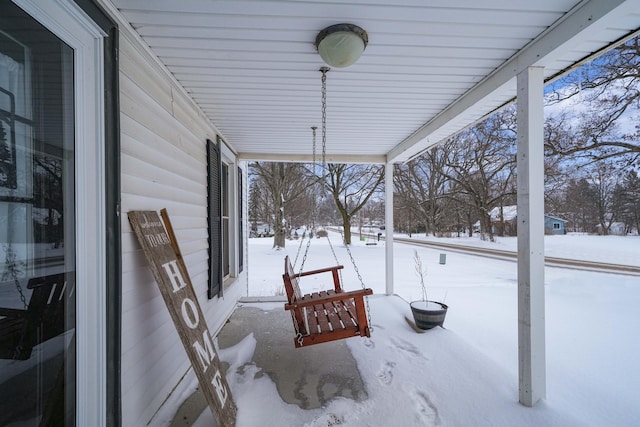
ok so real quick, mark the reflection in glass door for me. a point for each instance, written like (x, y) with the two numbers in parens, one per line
(37, 241)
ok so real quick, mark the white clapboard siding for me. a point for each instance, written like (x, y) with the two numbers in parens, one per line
(164, 165)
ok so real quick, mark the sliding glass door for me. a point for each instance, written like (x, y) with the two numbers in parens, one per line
(37, 224)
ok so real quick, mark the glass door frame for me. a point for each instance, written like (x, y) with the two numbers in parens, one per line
(67, 21)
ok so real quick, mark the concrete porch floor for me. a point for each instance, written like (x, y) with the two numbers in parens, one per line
(395, 378)
(308, 377)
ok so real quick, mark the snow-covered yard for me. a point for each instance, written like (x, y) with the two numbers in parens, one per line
(466, 374)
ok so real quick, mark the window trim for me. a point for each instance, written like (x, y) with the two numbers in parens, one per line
(226, 236)
(234, 199)
(228, 157)
(240, 222)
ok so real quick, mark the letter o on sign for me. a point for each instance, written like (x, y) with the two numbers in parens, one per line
(190, 313)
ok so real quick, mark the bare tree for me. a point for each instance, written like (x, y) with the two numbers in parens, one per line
(556, 177)
(48, 194)
(460, 215)
(600, 94)
(579, 205)
(482, 165)
(631, 203)
(603, 179)
(287, 184)
(424, 189)
(260, 202)
(351, 186)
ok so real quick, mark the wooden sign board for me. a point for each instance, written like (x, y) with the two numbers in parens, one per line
(180, 298)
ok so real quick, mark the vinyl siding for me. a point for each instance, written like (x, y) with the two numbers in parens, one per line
(163, 157)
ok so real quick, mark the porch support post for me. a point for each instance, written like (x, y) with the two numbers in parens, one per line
(531, 317)
(388, 229)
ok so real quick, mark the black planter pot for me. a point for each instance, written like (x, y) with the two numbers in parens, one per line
(428, 314)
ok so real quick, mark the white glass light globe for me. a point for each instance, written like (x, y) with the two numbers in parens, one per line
(341, 48)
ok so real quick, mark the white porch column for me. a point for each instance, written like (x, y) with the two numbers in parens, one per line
(531, 318)
(388, 230)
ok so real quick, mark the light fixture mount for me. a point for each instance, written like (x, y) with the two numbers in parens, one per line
(341, 45)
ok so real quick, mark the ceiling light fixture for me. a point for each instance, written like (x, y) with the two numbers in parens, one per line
(341, 45)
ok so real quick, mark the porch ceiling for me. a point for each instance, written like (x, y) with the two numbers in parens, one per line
(431, 68)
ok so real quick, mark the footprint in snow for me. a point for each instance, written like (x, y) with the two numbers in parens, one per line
(407, 347)
(376, 326)
(386, 373)
(426, 411)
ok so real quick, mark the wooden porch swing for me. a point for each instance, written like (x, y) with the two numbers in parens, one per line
(331, 314)
(52, 300)
(326, 315)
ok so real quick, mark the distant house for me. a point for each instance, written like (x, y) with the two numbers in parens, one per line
(505, 223)
(615, 229)
(554, 225)
(504, 220)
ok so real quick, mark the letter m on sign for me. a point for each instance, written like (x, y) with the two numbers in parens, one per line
(177, 291)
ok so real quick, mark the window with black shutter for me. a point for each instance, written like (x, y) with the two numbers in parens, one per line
(214, 170)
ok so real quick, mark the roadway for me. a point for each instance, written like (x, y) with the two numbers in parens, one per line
(602, 267)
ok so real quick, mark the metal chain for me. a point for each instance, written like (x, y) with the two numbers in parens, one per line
(314, 204)
(304, 257)
(355, 267)
(335, 257)
(22, 297)
(324, 71)
(13, 269)
(314, 201)
(299, 339)
(304, 235)
(314, 208)
(12, 266)
(324, 165)
(324, 144)
(299, 336)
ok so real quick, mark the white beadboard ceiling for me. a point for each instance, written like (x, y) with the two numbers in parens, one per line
(432, 67)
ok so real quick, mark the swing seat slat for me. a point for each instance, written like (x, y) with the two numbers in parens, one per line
(326, 315)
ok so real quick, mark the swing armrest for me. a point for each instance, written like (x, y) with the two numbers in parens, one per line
(320, 270)
(338, 296)
(334, 273)
(13, 313)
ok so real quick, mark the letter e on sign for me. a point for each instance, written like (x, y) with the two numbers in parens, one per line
(221, 391)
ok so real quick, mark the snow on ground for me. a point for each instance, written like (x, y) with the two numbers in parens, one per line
(611, 249)
(466, 374)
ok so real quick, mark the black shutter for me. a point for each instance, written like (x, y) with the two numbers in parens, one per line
(240, 224)
(214, 166)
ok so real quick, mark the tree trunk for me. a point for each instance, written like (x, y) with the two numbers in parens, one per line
(488, 229)
(278, 238)
(346, 220)
(279, 229)
(347, 232)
